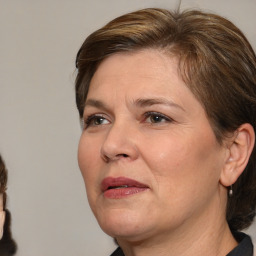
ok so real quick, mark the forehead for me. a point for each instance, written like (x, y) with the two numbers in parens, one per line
(149, 69)
(144, 73)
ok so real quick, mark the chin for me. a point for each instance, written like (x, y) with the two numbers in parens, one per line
(123, 223)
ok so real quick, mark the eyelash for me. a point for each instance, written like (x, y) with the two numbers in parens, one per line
(88, 121)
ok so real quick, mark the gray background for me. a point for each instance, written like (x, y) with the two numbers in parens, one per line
(39, 122)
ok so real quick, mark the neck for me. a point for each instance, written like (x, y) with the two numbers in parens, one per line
(208, 234)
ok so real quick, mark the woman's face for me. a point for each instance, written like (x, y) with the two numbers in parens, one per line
(148, 155)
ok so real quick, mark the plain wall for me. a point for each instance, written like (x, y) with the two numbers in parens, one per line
(39, 129)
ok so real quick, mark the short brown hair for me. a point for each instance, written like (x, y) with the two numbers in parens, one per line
(216, 62)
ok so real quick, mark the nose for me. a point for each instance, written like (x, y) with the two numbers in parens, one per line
(120, 142)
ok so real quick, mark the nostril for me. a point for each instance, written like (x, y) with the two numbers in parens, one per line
(122, 155)
(118, 156)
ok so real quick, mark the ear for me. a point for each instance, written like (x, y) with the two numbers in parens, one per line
(239, 150)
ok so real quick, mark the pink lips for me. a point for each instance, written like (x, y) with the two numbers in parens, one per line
(119, 187)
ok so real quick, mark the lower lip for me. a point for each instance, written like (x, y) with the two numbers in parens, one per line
(122, 192)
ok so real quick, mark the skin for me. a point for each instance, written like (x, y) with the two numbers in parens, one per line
(148, 126)
(2, 216)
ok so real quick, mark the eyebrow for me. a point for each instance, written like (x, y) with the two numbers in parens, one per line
(95, 103)
(138, 102)
(156, 101)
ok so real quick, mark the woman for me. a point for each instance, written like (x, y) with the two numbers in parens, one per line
(167, 151)
(8, 246)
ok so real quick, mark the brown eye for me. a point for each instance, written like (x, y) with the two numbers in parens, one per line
(98, 120)
(154, 118)
(95, 120)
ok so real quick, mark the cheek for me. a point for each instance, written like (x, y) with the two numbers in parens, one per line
(186, 175)
(88, 159)
(165, 155)
(181, 161)
(89, 164)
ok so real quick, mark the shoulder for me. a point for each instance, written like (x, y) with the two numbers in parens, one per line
(245, 246)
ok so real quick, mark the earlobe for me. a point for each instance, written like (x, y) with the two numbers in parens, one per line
(240, 147)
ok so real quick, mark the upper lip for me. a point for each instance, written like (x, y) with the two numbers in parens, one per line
(111, 182)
